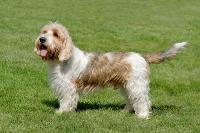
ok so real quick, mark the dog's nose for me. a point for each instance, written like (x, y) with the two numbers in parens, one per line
(43, 39)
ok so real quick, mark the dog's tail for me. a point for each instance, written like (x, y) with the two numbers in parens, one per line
(161, 56)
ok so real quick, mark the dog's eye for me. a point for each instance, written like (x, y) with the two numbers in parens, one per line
(44, 32)
(55, 34)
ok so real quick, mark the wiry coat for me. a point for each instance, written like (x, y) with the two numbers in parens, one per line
(72, 72)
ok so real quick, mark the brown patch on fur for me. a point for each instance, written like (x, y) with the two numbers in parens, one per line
(161, 56)
(154, 58)
(120, 55)
(104, 72)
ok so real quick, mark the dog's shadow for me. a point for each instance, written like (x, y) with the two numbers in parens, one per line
(83, 106)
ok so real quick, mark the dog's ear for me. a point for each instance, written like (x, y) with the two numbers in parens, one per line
(36, 47)
(66, 51)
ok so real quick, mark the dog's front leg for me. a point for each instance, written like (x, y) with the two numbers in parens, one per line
(68, 98)
(68, 104)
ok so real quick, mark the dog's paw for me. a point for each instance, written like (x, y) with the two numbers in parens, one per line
(61, 110)
(58, 111)
(144, 115)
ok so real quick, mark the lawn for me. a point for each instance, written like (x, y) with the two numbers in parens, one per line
(28, 105)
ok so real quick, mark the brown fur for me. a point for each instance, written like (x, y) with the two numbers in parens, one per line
(161, 56)
(154, 58)
(104, 72)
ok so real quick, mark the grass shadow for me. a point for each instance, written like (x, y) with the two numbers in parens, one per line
(51, 103)
(82, 106)
(96, 106)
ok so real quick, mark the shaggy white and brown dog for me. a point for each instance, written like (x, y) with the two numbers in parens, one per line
(73, 72)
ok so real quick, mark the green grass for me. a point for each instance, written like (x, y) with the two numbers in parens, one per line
(28, 105)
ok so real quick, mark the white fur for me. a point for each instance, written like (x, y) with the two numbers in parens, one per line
(136, 91)
(137, 88)
(60, 75)
(179, 46)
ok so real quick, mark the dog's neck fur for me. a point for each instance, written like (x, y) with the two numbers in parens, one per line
(59, 71)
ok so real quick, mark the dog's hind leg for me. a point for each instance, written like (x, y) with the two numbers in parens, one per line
(137, 87)
(138, 99)
(128, 107)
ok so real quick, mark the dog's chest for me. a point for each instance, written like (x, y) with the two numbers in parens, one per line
(61, 75)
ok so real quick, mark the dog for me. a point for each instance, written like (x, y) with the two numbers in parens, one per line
(73, 72)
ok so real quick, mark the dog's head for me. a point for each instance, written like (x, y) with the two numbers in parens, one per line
(54, 42)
